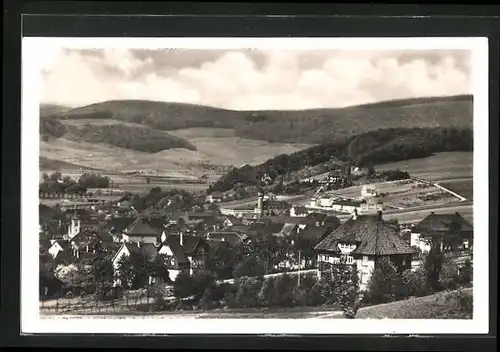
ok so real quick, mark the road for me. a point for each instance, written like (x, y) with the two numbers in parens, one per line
(416, 214)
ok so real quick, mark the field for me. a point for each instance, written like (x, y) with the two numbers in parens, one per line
(428, 307)
(217, 149)
(464, 187)
(439, 167)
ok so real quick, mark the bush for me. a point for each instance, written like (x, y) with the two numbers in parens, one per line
(249, 267)
(466, 273)
(433, 264)
(183, 285)
(416, 283)
(383, 282)
(247, 294)
(449, 278)
(158, 293)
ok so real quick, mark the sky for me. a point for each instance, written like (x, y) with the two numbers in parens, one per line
(252, 79)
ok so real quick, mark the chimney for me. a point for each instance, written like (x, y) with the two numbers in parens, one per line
(139, 244)
(432, 213)
(260, 203)
(181, 238)
(355, 215)
(379, 213)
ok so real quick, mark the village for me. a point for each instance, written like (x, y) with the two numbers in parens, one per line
(341, 226)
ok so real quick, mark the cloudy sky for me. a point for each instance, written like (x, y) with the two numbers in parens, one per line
(252, 79)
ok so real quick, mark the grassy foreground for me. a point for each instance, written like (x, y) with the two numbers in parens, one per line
(427, 307)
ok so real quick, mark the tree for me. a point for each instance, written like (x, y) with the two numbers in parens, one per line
(221, 260)
(183, 285)
(383, 282)
(102, 270)
(55, 176)
(249, 266)
(125, 272)
(433, 264)
(45, 177)
(76, 277)
(371, 170)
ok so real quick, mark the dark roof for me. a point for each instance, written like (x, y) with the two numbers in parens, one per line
(316, 216)
(189, 242)
(148, 249)
(441, 223)
(372, 235)
(119, 224)
(234, 220)
(313, 233)
(331, 219)
(300, 209)
(200, 215)
(140, 227)
(290, 220)
(232, 238)
(289, 229)
(238, 228)
(349, 202)
(177, 250)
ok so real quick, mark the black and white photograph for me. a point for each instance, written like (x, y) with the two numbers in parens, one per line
(244, 185)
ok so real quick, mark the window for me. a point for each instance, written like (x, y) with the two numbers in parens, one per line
(350, 260)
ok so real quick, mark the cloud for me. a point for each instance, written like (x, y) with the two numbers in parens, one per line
(252, 79)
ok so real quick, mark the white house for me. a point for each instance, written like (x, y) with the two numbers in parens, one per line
(361, 241)
(215, 197)
(368, 191)
(298, 211)
(54, 249)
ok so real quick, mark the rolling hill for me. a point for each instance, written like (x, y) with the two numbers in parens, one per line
(297, 126)
(192, 139)
(52, 110)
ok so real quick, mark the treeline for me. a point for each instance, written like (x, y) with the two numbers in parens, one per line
(57, 184)
(51, 128)
(136, 138)
(301, 126)
(374, 147)
(164, 199)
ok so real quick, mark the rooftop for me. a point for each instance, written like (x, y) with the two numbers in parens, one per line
(372, 235)
(442, 223)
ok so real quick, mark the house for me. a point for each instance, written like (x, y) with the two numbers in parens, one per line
(450, 231)
(232, 238)
(231, 220)
(117, 226)
(368, 191)
(149, 250)
(347, 205)
(302, 222)
(194, 247)
(55, 248)
(362, 240)
(239, 229)
(331, 221)
(318, 217)
(298, 211)
(176, 259)
(140, 231)
(215, 197)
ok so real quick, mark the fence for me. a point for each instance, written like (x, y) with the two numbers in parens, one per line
(127, 303)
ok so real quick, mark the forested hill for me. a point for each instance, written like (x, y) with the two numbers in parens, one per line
(297, 126)
(374, 147)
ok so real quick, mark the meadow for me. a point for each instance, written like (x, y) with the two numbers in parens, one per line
(439, 167)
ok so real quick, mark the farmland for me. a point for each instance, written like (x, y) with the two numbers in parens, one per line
(439, 167)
